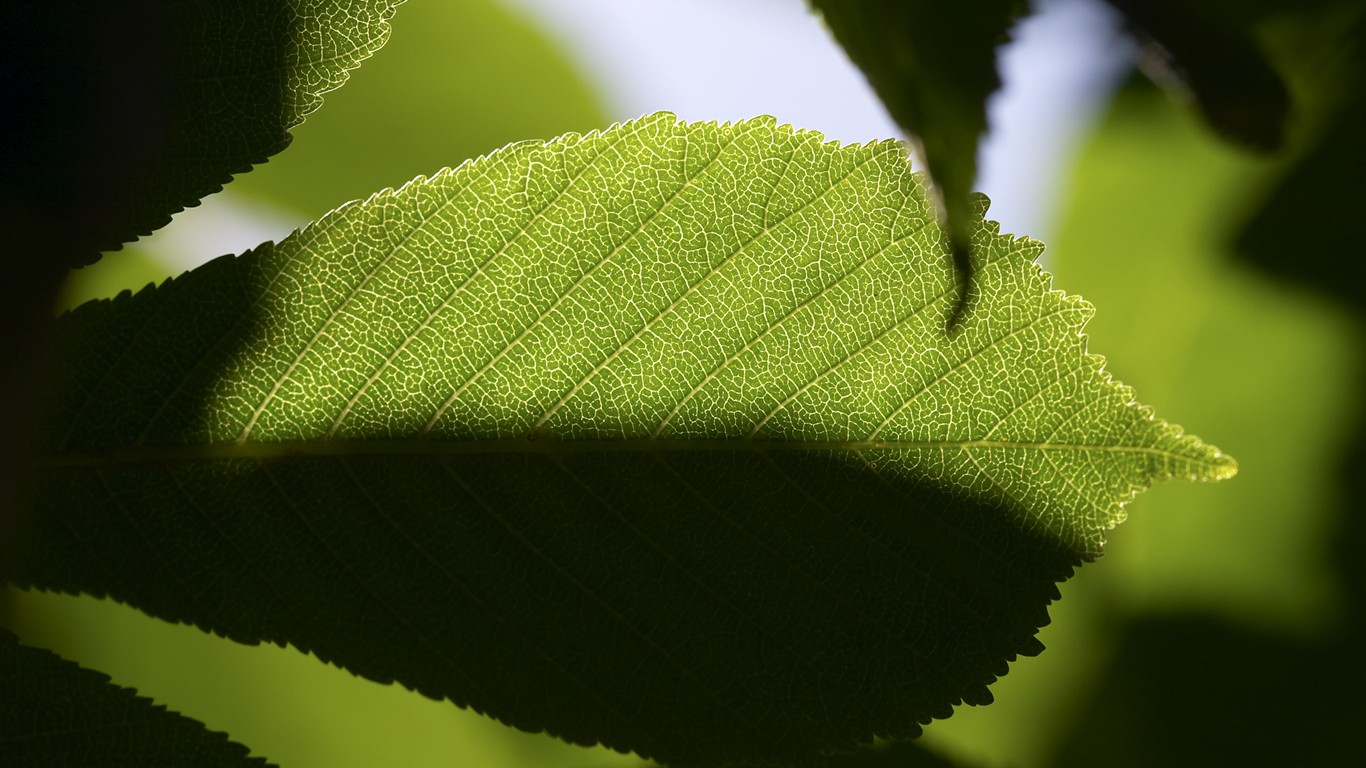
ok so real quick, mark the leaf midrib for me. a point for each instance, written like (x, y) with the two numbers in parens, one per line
(548, 446)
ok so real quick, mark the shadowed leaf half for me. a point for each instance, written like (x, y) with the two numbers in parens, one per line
(135, 110)
(53, 713)
(650, 437)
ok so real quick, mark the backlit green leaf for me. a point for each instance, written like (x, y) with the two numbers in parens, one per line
(650, 437)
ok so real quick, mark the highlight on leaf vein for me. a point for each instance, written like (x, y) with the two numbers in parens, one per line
(651, 437)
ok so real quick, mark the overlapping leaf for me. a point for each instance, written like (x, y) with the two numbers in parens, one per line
(650, 437)
(135, 110)
(934, 65)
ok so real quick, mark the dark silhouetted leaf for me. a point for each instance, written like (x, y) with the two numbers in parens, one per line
(934, 65)
(121, 114)
(650, 437)
(897, 754)
(55, 714)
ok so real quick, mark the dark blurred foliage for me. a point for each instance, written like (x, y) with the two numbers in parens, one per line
(1209, 55)
(1194, 691)
(1302, 230)
(1285, 76)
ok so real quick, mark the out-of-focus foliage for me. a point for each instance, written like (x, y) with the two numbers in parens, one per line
(1295, 232)
(1287, 75)
(1189, 315)
(1238, 601)
(1211, 57)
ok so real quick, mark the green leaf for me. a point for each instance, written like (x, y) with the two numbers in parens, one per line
(650, 437)
(933, 64)
(54, 713)
(133, 111)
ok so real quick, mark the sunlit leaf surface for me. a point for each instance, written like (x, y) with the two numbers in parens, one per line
(650, 437)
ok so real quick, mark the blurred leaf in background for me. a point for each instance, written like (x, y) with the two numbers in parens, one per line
(1293, 231)
(456, 80)
(1308, 93)
(1238, 610)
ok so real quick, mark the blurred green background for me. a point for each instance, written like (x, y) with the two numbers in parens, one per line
(1220, 629)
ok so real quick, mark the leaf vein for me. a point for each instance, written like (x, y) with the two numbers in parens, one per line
(971, 356)
(569, 291)
(729, 258)
(478, 272)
